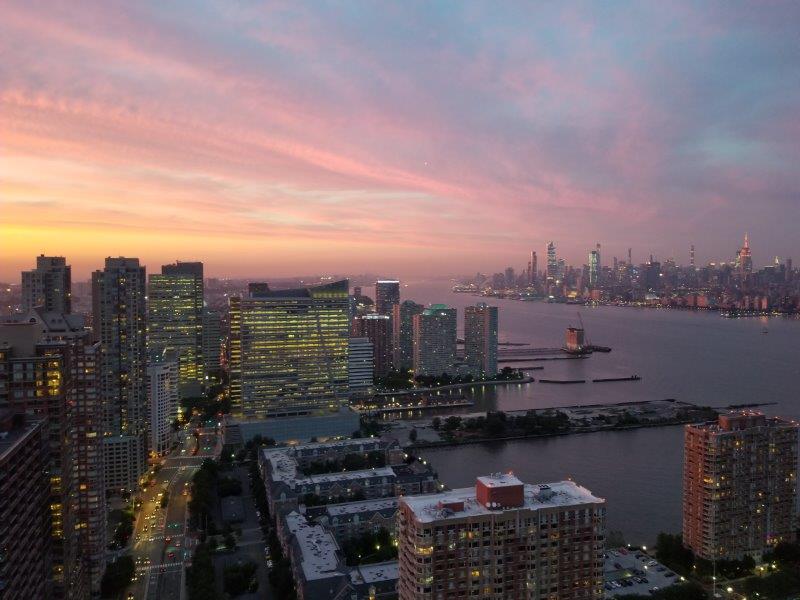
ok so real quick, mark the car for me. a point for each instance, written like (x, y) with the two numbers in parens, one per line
(170, 555)
(269, 564)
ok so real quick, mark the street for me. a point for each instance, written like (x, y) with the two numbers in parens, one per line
(161, 548)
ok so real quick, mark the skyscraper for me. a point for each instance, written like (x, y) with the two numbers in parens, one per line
(435, 341)
(175, 320)
(387, 294)
(288, 350)
(552, 263)
(403, 333)
(691, 256)
(739, 485)
(480, 339)
(744, 259)
(25, 555)
(119, 319)
(502, 540)
(49, 285)
(594, 267)
(532, 268)
(378, 329)
(163, 381)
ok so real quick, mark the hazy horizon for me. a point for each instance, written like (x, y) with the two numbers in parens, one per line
(417, 139)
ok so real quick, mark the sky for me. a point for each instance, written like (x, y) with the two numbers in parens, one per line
(400, 138)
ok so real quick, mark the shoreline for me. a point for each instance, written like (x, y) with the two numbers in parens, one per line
(455, 386)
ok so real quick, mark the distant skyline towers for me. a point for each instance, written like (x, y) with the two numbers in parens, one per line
(552, 263)
(691, 256)
(744, 258)
(594, 267)
(289, 351)
(49, 285)
(403, 333)
(480, 338)
(175, 320)
(435, 341)
(119, 323)
(387, 294)
(532, 268)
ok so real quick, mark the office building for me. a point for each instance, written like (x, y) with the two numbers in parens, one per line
(480, 339)
(360, 367)
(435, 341)
(288, 351)
(378, 329)
(175, 320)
(387, 294)
(119, 323)
(403, 333)
(48, 286)
(502, 540)
(163, 382)
(739, 485)
(25, 539)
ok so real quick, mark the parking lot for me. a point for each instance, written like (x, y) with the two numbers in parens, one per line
(634, 572)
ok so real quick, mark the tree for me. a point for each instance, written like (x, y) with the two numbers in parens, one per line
(436, 423)
(117, 577)
(240, 578)
(229, 541)
(412, 435)
(200, 576)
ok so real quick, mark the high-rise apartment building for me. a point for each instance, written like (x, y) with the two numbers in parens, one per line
(502, 540)
(387, 294)
(378, 329)
(84, 480)
(288, 350)
(480, 339)
(119, 323)
(403, 333)
(739, 485)
(435, 341)
(49, 285)
(175, 320)
(25, 554)
(360, 367)
(163, 382)
(55, 376)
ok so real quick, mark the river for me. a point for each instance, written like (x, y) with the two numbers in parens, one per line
(694, 356)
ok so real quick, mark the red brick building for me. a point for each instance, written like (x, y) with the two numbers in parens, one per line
(502, 539)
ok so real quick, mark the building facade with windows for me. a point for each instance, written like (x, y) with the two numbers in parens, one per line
(739, 485)
(502, 539)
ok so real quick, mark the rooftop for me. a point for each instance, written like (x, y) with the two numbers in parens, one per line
(317, 547)
(284, 469)
(536, 497)
(349, 508)
(385, 571)
(499, 480)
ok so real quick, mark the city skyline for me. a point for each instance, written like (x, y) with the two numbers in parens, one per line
(409, 140)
